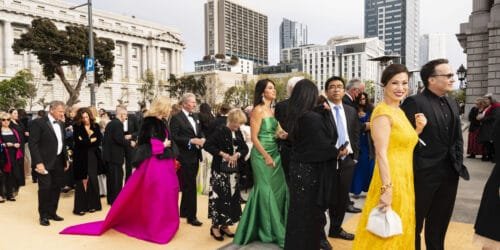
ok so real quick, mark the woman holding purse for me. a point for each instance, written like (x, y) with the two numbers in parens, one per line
(228, 147)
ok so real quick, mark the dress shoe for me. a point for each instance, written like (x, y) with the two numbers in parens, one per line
(342, 235)
(352, 209)
(56, 217)
(325, 245)
(225, 230)
(11, 198)
(220, 237)
(44, 222)
(195, 222)
(471, 156)
(66, 189)
(81, 213)
(2, 200)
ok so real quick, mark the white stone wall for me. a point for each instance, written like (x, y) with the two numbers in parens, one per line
(140, 45)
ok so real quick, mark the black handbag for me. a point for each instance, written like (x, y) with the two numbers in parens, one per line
(225, 168)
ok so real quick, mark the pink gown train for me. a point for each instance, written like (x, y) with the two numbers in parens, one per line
(147, 206)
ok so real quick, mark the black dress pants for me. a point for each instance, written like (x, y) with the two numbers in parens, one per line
(188, 180)
(114, 181)
(337, 211)
(49, 189)
(435, 193)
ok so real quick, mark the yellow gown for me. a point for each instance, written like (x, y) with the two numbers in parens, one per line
(402, 141)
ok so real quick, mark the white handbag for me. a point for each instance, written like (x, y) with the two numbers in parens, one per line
(384, 224)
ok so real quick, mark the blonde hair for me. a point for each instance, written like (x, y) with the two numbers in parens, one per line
(159, 107)
(236, 116)
(4, 115)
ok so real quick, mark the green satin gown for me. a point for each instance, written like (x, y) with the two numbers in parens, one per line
(264, 217)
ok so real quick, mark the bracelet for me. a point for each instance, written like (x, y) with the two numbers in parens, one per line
(385, 187)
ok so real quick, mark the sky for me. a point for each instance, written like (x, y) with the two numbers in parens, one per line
(324, 18)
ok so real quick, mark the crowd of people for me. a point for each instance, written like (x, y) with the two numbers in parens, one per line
(304, 159)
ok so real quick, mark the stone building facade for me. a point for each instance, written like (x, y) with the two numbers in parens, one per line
(480, 39)
(139, 45)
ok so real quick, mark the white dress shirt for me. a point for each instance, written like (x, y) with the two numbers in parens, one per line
(191, 120)
(57, 130)
(344, 120)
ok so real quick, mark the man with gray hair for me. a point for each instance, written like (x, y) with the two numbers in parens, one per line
(48, 155)
(186, 132)
(353, 89)
(284, 146)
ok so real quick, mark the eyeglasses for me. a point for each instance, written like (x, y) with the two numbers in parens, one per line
(336, 87)
(5, 120)
(449, 76)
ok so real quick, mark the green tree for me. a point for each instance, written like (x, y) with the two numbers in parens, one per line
(58, 48)
(147, 89)
(185, 84)
(240, 96)
(15, 92)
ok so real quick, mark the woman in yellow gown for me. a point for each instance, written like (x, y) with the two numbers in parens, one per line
(391, 187)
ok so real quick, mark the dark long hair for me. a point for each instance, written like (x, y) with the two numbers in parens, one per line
(303, 99)
(259, 90)
(78, 118)
(391, 71)
(368, 107)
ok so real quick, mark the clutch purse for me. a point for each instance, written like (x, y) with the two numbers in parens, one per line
(384, 224)
(225, 168)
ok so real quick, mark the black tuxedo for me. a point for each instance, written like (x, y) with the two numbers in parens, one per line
(346, 100)
(436, 165)
(345, 169)
(114, 149)
(132, 129)
(43, 145)
(285, 147)
(189, 156)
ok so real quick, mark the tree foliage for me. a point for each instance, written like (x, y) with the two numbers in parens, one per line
(15, 92)
(179, 86)
(147, 89)
(240, 96)
(56, 49)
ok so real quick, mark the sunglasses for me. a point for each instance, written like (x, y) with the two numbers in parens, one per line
(5, 120)
(449, 76)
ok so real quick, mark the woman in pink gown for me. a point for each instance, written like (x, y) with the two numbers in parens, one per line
(147, 206)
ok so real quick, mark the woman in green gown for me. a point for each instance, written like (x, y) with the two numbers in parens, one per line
(264, 217)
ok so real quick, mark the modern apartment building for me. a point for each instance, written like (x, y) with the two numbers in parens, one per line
(432, 46)
(232, 29)
(292, 34)
(397, 23)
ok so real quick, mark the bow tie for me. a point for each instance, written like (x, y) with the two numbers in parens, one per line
(191, 114)
(55, 122)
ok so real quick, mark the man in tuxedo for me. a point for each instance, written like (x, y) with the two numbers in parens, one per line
(285, 147)
(347, 124)
(130, 127)
(438, 161)
(114, 149)
(187, 134)
(48, 155)
(353, 89)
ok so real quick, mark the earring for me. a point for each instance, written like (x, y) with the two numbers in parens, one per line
(263, 99)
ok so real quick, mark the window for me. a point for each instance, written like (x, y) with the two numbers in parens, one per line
(118, 50)
(163, 56)
(134, 53)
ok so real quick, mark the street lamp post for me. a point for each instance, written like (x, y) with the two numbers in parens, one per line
(91, 47)
(462, 73)
(246, 90)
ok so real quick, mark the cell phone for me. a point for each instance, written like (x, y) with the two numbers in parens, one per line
(344, 145)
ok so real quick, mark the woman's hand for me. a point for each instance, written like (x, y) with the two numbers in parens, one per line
(269, 160)
(282, 134)
(233, 160)
(420, 122)
(167, 143)
(17, 145)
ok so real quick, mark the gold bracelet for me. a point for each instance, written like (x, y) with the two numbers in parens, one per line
(385, 188)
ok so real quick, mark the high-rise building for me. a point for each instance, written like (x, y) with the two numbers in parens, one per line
(432, 46)
(396, 22)
(232, 29)
(292, 34)
(347, 58)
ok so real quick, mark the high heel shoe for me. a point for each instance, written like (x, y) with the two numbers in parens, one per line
(219, 238)
(223, 231)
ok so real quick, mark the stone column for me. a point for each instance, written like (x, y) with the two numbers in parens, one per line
(8, 53)
(494, 51)
(179, 67)
(144, 64)
(156, 57)
(173, 62)
(128, 62)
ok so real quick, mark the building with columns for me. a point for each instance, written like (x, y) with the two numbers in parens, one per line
(480, 39)
(139, 45)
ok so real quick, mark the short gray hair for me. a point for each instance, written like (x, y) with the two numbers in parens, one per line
(186, 96)
(54, 104)
(120, 109)
(353, 83)
(291, 84)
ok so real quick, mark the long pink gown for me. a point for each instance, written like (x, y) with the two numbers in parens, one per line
(147, 206)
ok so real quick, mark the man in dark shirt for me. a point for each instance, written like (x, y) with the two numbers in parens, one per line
(438, 161)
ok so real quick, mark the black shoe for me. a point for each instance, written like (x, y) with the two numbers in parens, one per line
(81, 213)
(44, 222)
(219, 238)
(325, 245)
(56, 217)
(11, 198)
(342, 235)
(223, 231)
(352, 209)
(66, 189)
(195, 222)
(471, 156)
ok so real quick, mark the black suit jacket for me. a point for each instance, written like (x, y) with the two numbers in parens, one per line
(83, 145)
(182, 132)
(353, 128)
(440, 148)
(347, 101)
(43, 143)
(222, 140)
(133, 126)
(280, 113)
(114, 145)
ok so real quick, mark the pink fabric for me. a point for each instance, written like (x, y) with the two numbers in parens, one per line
(157, 146)
(147, 206)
